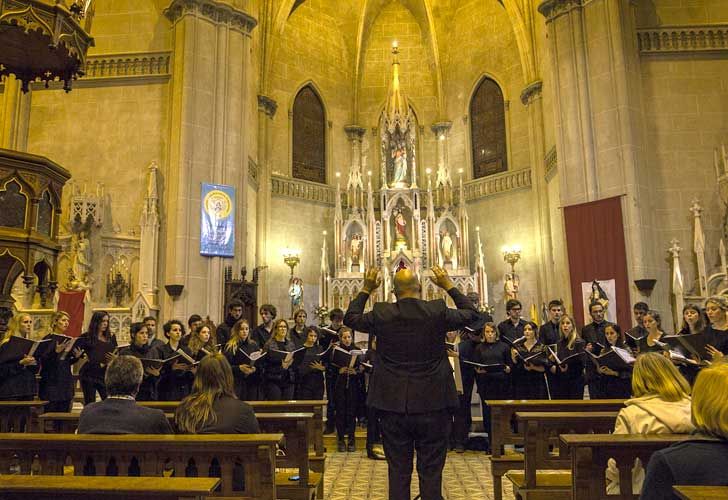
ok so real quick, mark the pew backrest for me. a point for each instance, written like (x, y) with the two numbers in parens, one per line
(20, 416)
(245, 463)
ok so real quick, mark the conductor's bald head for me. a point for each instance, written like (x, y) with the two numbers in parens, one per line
(406, 284)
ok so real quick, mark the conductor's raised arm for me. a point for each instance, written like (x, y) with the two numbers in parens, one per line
(355, 318)
(466, 312)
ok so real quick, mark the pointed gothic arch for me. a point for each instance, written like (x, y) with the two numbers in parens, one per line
(308, 131)
(488, 143)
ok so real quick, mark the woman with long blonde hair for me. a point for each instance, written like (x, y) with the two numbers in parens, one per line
(703, 459)
(56, 380)
(246, 372)
(278, 382)
(716, 308)
(17, 376)
(212, 407)
(568, 377)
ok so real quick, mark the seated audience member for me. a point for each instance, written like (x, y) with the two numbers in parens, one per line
(119, 413)
(660, 405)
(212, 407)
(702, 460)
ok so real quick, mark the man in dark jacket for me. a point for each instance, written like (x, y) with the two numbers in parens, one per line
(413, 386)
(593, 335)
(234, 313)
(119, 413)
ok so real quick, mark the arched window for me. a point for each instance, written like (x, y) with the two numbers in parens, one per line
(309, 131)
(488, 130)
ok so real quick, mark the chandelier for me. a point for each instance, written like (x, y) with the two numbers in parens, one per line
(44, 40)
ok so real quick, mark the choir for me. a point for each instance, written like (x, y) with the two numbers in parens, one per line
(277, 361)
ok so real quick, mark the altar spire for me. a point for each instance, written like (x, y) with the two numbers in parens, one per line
(397, 108)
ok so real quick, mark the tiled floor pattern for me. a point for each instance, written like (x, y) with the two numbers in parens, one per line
(352, 476)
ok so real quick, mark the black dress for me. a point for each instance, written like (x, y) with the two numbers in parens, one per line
(17, 382)
(569, 384)
(247, 388)
(277, 381)
(93, 371)
(495, 384)
(174, 385)
(57, 385)
(718, 339)
(346, 394)
(643, 347)
(148, 387)
(530, 384)
(309, 382)
(616, 387)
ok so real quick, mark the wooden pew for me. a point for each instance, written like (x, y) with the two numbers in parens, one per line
(541, 432)
(20, 416)
(295, 428)
(21, 487)
(244, 463)
(503, 416)
(590, 453)
(701, 492)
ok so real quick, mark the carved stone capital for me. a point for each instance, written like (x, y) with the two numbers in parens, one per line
(267, 104)
(551, 9)
(217, 12)
(354, 132)
(531, 92)
(441, 128)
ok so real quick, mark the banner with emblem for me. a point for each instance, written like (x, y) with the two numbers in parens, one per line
(217, 221)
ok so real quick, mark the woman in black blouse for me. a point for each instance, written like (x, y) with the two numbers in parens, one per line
(98, 344)
(175, 381)
(615, 384)
(310, 373)
(277, 380)
(246, 372)
(529, 378)
(716, 308)
(17, 376)
(568, 378)
(493, 382)
(651, 342)
(56, 380)
(140, 348)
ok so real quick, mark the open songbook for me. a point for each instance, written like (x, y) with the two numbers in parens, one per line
(62, 339)
(513, 343)
(564, 356)
(343, 358)
(158, 363)
(186, 358)
(631, 340)
(491, 368)
(616, 359)
(694, 343)
(281, 356)
(16, 348)
(253, 356)
(97, 353)
(539, 358)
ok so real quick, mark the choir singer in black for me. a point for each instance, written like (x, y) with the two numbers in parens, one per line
(413, 386)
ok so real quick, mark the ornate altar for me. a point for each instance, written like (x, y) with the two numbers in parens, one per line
(411, 228)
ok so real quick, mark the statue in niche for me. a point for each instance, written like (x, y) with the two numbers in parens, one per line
(599, 296)
(446, 246)
(400, 229)
(399, 157)
(295, 292)
(81, 260)
(511, 285)
(355, 250)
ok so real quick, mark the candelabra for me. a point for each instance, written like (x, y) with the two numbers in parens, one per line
(292, 257)
(512, 255)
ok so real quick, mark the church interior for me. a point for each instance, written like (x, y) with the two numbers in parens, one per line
(168, 156)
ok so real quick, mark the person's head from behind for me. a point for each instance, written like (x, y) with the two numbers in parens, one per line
(513, 309)
(139, 334)
(123, 376)
(214, 379)
(655, 375)
(406, 284)
(710, 400)
(336, 316)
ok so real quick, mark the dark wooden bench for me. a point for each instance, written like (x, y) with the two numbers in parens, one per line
(701, 492)
(295, 428)
(245, 463)
(20, 487)
(317, 455)
(20, 416)
(591, 452)
(507, 432)
(541, 450)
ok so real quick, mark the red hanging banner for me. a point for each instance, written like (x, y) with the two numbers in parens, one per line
(72, 302)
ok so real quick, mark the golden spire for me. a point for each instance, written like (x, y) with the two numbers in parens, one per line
(397, 108)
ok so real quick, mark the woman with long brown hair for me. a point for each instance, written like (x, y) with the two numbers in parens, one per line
(202, 341)
(212, 407)
(278, 382)
(246, 372)
(98, 344)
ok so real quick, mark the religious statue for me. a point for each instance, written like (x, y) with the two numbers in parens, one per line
(295, 291)
(599, 296)
(510, 287)
(81, 261)
(446, 246)
(355, 250)
(400, 229)
(400, 165)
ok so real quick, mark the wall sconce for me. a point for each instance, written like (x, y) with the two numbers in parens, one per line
(174, 291)
(511, 255)
(645, 285)
(292, 257)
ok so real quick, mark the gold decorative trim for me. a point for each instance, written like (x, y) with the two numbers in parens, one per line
(676, 39)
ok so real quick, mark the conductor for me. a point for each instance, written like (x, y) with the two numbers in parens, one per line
(412, 386)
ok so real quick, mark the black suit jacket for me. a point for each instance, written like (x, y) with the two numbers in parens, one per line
(122, 416)
(413, 374)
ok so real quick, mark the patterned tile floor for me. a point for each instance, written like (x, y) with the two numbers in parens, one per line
(352, 476)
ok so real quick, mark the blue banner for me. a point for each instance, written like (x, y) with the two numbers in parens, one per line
(217, 220)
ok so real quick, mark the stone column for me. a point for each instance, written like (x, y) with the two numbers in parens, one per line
(14, 115)
(597, 106)
(531, 97)
(207, 124)
(266, 111)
